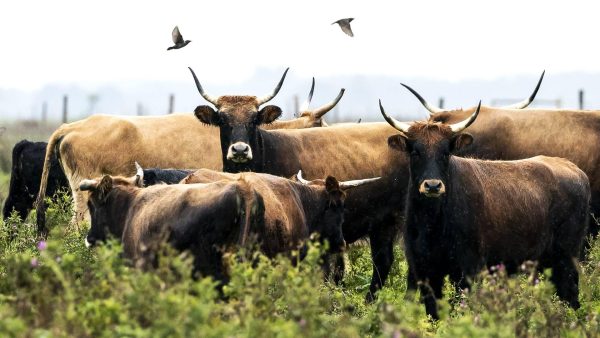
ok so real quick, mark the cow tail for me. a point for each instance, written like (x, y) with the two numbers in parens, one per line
(40, 204)
(254, 211)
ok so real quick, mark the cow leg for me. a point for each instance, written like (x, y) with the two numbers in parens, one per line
(337, 274)
(566, 280)
(431, 291)
(382, 253)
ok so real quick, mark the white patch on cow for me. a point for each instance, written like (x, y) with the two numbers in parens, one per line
(87, 243)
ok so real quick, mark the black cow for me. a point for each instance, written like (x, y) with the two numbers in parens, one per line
(464, 214)
(25, 176)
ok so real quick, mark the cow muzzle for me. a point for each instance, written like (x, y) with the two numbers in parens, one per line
(432, 188)
(90, 242)
(239, 152)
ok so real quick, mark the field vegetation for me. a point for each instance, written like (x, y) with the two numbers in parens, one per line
(58, 288)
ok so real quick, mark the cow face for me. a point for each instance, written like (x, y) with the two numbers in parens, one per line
(429, 145)
(106, 207)
(238, 118)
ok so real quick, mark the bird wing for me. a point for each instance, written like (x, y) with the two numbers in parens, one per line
(177, 38)
(345, 26)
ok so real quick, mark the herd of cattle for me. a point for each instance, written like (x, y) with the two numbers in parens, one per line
(461, 201)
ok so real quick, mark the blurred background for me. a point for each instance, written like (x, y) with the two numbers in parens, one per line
(110, 56)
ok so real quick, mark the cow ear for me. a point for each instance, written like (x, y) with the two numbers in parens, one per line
(461, 140)
(336, 195)
(207, 115)
(104, 187)
(269, 114)
(398, 142)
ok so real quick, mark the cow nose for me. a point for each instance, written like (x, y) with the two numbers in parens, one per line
(240, 148)
(432, 188)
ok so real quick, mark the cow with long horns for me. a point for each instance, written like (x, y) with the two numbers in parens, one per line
(346, 151)
(507, 134)
(464, 214)
(103, 144)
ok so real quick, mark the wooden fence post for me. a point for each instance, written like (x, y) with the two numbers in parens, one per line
(171, 103)
(65, 109)
(441, 103)
(44, 112)
(581, 99)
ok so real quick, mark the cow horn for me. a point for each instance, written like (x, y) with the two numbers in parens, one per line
(356, 183)
(401, 126)
(88, 185)
(301, 179)
(526, 102)
(460, 126)
(272, 95)
(324, 109)
(306, 103)
(201, 91)
(432, 109)
(139, 171)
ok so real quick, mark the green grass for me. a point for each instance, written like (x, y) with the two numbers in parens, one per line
(66, 289)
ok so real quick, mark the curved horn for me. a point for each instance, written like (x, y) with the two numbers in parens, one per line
(88, 185)
(324, 109)
(207, 97)
(139, 175)
(401, 126)
(432, 109)
(356, 183)
(300, 178)
(460, 126)
(272, 95)
(306, 103)
(526, 102)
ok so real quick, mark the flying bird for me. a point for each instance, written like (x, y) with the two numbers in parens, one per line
(178, 39)
(345, 25)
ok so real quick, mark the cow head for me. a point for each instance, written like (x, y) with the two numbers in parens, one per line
(329, 222)
(106, 217)
(429, 145)
(238, 118)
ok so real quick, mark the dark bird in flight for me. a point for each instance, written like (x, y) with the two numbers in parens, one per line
(178, 39)
(345, 25)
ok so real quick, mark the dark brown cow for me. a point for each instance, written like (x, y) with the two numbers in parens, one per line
(204, 218)
(465, 214)
(502, 134)
(346, 151)
(104, 144)
(290, 217)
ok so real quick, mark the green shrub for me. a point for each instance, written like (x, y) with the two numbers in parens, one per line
(61, 288)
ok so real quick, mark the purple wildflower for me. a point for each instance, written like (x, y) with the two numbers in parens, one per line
(34, 262)
(42, 245)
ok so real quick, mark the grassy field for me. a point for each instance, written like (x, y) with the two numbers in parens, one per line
(60, 288)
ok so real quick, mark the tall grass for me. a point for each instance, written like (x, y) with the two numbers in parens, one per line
(61, 288)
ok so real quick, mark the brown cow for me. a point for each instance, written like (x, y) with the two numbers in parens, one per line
(464, 214)
(104, 144)
(502, 134)
(208, 216)
(345, 151)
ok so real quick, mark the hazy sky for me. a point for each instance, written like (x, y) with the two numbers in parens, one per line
(100, 42)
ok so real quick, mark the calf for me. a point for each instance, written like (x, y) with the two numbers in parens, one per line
(207, 218)
(463, 214)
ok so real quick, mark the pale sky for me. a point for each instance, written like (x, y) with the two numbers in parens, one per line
(101, 42)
